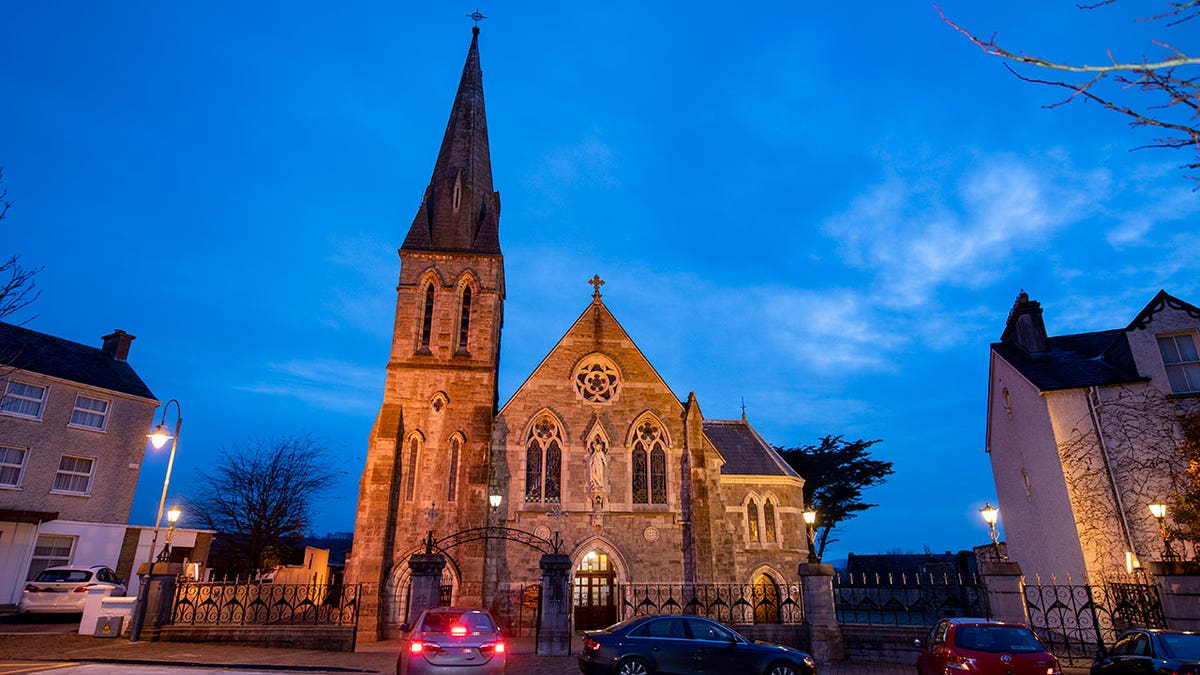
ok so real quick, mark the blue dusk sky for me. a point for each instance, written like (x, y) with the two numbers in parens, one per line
(824, 210)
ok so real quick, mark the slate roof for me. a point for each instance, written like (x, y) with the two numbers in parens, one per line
(745, 452)
(36, 352)
(1075, 361)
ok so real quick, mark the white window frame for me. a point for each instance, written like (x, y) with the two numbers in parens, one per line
(10, 396)
(69, 473)
(20, 468)
(87, 413)
(1180, 366)
(37, 563)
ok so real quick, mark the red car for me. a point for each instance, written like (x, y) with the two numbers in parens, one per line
(983, 647)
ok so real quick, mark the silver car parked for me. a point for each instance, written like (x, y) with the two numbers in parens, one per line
(452, 640)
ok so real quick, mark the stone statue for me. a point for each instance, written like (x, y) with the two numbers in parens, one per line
(597, 463)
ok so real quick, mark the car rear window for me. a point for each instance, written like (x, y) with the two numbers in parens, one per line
(442, 622)
(1014, 639)
(63, 576)
(1185, 646)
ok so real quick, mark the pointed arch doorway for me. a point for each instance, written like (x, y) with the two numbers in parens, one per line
(595, 591)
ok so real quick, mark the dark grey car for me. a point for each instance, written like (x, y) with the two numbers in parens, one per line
(454, 640)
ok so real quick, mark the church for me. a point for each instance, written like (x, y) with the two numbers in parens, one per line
(594, 456)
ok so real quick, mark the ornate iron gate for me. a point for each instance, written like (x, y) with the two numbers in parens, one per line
(1076, 621)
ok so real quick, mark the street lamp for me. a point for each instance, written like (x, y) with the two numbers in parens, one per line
(990, 515)
(172, 518)
(158, 438)
(1159, 511)
(810, 519)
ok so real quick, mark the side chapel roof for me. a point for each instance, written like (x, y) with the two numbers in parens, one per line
(1083, 359)
(460, 211)
(745, 452)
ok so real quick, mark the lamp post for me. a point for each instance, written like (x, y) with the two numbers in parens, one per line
(810, 519)
(1159, 511)
(158, 438)
(172, 518)
(990, 515)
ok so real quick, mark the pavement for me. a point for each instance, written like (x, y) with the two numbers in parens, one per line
(39, 649)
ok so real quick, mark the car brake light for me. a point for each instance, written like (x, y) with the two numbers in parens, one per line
(499, 647)
(416, 647)
(458, 630)
(30, 588)
(80, 589)
(1053, 669)
(959, 662)
(590, 645)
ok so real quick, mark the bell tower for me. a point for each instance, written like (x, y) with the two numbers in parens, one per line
(426, 467)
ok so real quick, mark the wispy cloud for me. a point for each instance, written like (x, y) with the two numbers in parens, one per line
(325, 384)
(361, 301)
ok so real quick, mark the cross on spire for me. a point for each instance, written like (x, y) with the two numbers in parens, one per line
(476, 16)
(596, 283)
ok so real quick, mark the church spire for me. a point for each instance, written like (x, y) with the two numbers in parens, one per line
(461, 211)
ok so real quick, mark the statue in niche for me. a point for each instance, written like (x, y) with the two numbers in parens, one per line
(597, 465)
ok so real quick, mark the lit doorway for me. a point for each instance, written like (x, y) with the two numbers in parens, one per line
(595, 592)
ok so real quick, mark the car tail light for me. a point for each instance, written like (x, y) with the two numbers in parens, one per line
(420, 647)
(494, 648)
(590, 645)
(1054, 669)
(80, 589)
(30, 588)
(458, 630)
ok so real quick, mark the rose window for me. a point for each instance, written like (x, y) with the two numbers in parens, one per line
(597, 382)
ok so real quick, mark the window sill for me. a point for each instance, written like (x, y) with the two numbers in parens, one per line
(70, 494)
(81, 427)
(20, 416)
(14, 488)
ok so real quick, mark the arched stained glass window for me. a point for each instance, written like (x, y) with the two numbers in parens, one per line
(427, 321)
(769, 520)
(648, 461)
(752, 520)
(464, 320)
(543, 461)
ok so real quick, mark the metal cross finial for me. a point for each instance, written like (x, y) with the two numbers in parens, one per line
(743, 408)
(476, 16)
(431, 512)
(596, 283)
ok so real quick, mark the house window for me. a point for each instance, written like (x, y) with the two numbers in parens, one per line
(649, 464)
(23, 399)
(543, 462)
(769, 520)
(427, 321)
(50, 550)
(74, 475)
(410, 480)
(1182, 363)
(464, 320)
(12, 465)
(91, 413)
(452, 488)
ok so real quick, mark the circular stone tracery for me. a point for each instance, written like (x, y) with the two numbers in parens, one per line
(597, 381)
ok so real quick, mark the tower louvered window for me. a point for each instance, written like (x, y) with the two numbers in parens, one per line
(648, 462)
(543, 462)
(464, 321)
(427, 321)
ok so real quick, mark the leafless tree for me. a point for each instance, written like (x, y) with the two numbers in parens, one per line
(1161, 92)
(259, 496)
(17, 288)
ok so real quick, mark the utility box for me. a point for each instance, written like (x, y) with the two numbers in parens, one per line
(109, 626)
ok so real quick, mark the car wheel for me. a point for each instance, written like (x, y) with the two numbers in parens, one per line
(633, 666)
(782, 668)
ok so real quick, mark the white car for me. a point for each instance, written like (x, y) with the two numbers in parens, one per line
(64, 589)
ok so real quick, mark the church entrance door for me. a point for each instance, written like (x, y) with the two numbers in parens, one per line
(595, 592)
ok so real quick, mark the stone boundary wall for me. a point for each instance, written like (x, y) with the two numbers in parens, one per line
(885, 644)
(788, 635)
(324, 638)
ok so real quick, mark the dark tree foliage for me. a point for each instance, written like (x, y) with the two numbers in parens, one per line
(835, 472)
(1159, 92)
(259, 498)
(1185, 507)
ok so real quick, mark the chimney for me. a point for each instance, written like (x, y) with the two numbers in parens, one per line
(1025, 327)
(116, 344)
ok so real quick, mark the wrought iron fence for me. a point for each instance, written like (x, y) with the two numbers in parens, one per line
(907, 600)
(1076, 620)
(727, 603)
(258, 603)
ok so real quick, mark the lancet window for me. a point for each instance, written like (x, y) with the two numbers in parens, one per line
(649, 465)
(427, 321)
(752, 520)
(452, 481)
(410, 468)
(464, 320)
(769, 520)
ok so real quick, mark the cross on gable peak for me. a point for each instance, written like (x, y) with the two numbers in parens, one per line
(596, 283)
